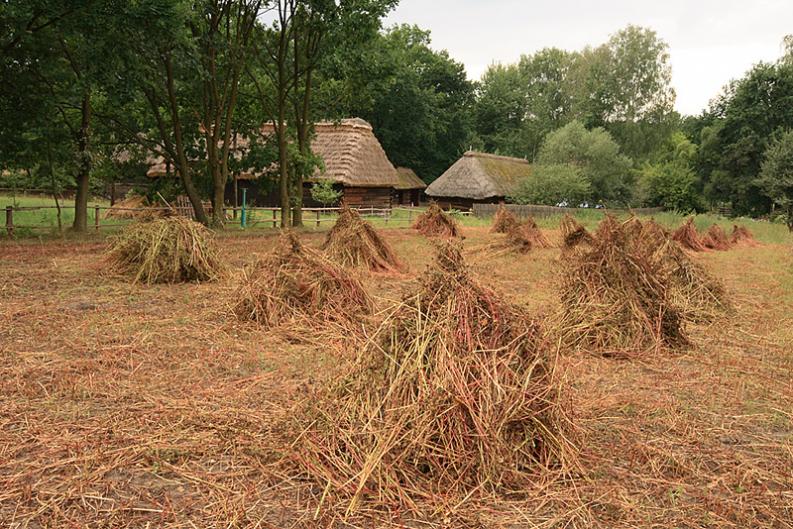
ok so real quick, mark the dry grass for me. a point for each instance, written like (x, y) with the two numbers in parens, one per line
(688, 237)
(503, 220)
(456, 397)
(134, 406)
(169, 250)
(742, 236)
(434, 222)
(296, 284)
(573, 233)
(716, 239)
(614, 297)
(535, 234)
(354, 242)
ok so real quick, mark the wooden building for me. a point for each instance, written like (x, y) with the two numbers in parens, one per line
(353, 160)
(408, 191)
(478, 178)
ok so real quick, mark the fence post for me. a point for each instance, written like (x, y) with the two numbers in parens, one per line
(410, 215)
(96, 218)
(10, 220)
(318, 222)
(275, 219)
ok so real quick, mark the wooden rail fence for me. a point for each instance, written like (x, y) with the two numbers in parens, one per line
(271, 216)
(523, 211)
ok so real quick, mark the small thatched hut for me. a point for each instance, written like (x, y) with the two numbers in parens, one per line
(408, 190)
(352, 157)
(478, 178)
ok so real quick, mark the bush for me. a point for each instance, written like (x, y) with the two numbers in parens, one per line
(554, 184)
(324, 193)
(776, 177)
(597, 156)
(671, 185)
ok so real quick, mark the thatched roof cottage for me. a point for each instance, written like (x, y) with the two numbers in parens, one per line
(353, 159)
(478, 178)
(408, 190)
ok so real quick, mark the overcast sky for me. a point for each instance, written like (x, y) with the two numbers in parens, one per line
(711, 41)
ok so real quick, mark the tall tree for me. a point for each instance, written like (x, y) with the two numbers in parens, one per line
(735, 133)
(49, 68)
(596, 155)
(418, 100)
(776, 175)
(175, 84)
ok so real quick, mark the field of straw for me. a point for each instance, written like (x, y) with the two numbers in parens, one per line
(153, 406)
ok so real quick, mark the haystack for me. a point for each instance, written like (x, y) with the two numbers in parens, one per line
(695, 293)
(535, 235)
(435, 223)
(515, 240)
(615, 300)
(133, 207)
(168, 250)
(716, 239)
(354, 242)
(298, 284)
(456, 396)
(503, 220)
(688, 237)
(742, 236)
(573, 233)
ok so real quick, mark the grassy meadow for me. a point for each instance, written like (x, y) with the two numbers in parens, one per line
(45, 220)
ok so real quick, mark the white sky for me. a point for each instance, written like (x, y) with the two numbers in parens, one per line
(711, 41)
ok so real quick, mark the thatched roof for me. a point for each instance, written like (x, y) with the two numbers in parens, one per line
(351, 153)
(408, 179)
(479, 176)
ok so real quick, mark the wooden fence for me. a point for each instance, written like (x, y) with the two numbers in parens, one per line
(256, 216)
(523, 211)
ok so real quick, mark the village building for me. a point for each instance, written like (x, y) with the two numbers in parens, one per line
(408, 191)
(478, 178)
(352, 157)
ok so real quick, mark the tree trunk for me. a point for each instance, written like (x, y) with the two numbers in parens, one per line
(283, 170)
(182, 163)
(83, 168)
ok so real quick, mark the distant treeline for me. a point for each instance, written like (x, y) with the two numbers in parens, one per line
(92, 89)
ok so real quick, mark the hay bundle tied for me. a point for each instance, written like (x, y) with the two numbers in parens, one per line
(535, 235)
(354, 242)
(503, 220)
(615, 300)
(742, 236)
(455, 397)
(695, 293)
(168, 250)
(299, 285)
(515, 240)
(573, 233)
(133, 207)
(434, 222)
(688, 237)
(716, 239)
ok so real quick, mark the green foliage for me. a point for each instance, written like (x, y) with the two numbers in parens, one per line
(776, 176)
(671, 185)
(596, 155)
(325, 193)
(623, 86)
(734, 135)
(552, 185)
(418, 100)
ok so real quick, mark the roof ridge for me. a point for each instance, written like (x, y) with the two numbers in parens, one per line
(478, 154)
